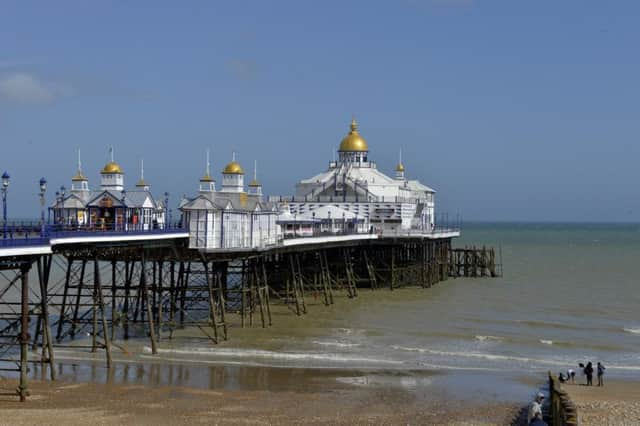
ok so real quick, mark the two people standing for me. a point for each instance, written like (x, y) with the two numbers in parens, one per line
(589, 370)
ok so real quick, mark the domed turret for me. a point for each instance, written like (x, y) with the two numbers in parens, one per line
(79, 182)
(353, 148)
(112, 176)
(233, 168)
(112, 167)
(400, 168)
(233, 177)
(353, 142)
(207, 183)
(142, 184)
(255, 187)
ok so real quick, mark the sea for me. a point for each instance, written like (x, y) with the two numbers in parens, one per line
(569, 294)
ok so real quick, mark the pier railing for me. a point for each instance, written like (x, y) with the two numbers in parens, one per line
(31, 233)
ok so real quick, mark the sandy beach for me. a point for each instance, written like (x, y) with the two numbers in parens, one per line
(79, 403)
(617, 403)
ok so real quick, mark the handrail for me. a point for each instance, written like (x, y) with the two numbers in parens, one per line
(31, 233)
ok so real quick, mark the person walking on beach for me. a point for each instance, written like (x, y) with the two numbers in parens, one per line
(588, 371)
(600, 374)
(571, 375)
(535, 408)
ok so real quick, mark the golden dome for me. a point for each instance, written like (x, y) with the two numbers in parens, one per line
(79, 177)
(233, 168)
(353, 142)
(142, 183)
(112, 167)
(254, 182)
(206, 178)
(400, 167)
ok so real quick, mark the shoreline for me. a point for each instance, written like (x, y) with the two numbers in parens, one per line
(73, 403)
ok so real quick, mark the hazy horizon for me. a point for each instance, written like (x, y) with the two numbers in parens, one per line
(521, 112)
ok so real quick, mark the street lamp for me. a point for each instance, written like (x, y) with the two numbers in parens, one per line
(43, 189)
(166, 210)
(5, 185)
(124, 209)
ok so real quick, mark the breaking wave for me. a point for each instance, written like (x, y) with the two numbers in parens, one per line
(264, 354)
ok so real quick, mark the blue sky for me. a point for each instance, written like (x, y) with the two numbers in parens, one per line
(510, 110)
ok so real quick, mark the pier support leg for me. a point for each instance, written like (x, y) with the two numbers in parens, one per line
(64, 299)
(24, 331)
(145, 300)
(79, 288)
(97, 285)
(266, 291)
(113, 300)
(44, 271)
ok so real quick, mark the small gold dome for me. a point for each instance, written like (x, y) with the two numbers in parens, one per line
(233, 168)
(254, 182)
(79, 177)
(142, 183)
(353, 142)
(112, 167)
(206, 178)
(400, 167)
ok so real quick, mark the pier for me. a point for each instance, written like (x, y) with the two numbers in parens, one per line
(112, 283)
(112, 263)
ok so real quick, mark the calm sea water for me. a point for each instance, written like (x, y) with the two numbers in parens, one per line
(569, 294)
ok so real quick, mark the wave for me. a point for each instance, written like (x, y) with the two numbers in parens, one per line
(489, 338)
(491, 357)
(546, 342)
(336, 344)
(549, 324)
(257, 353)
(635, 330)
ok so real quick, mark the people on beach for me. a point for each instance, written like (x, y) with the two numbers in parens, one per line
(571, 375)
(600, 374)
(537, 421)
(588, 371)
(535, 408)
(561, 377)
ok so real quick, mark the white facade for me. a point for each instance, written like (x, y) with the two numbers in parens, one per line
(354, 184)
(229, 218)
(111, 207)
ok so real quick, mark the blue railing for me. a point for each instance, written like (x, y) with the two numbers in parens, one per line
(31, 234)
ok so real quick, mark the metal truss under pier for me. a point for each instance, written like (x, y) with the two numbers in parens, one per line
(115, 290)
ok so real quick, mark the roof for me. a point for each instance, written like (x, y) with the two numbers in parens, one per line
(226, 201)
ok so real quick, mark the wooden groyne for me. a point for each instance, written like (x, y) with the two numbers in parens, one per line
(562, 410)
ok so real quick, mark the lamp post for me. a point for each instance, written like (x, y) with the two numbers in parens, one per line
(166, 210)
(43, 189)
(63, 214)
(124, 209)
(5, 185)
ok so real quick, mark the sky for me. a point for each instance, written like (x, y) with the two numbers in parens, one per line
(511, 110)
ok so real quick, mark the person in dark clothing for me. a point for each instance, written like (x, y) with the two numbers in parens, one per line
(588, 371)
(600, 374)
(561, 377)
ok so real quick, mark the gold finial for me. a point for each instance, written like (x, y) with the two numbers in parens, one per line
(354, 125)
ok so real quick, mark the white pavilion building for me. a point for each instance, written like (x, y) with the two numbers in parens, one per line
(232, 217)
(354, 184)
(112, 206)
